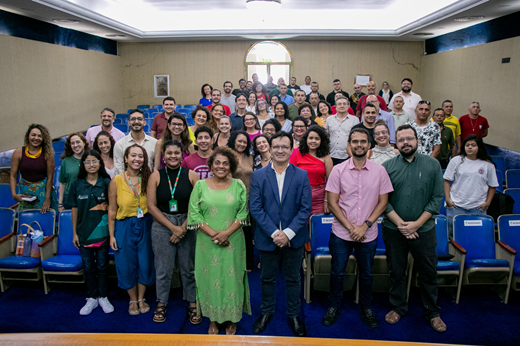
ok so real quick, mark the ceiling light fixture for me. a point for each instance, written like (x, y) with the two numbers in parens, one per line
(467, 19)
(264, 5)
(66, 21)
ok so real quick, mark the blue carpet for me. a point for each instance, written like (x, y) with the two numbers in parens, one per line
(479, 319)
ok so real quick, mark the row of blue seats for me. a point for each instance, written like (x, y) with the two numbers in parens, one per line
(477, 259)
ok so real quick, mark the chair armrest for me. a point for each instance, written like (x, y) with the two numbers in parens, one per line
(14, 206)
(46, 240)
(458, 247)
(503, 246)
(6, 237)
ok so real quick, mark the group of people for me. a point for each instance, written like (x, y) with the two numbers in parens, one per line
(198, 197)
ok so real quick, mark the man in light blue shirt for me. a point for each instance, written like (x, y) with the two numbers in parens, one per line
(287, 99)
(387, 117)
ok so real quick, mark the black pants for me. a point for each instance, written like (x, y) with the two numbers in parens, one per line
(337, 161)
(95, 263)
(423, 250)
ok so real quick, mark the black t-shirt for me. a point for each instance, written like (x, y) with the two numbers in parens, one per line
(373, 143)
(331, 98)
(182, 192)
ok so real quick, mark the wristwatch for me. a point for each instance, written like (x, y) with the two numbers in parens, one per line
(369, 223)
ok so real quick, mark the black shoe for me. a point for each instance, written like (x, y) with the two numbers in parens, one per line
(297, 326)
(261, 323)
(368, 316)
(330, 317)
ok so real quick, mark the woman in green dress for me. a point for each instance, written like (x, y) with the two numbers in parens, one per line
(218, 209)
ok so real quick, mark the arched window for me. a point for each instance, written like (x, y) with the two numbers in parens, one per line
(268, 58)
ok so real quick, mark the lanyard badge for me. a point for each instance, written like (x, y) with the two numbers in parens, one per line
(172, 204)
(138, 210)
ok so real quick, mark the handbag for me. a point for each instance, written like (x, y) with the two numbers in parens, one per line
(24, 241)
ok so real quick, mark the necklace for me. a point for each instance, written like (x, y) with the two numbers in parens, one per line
(476, 123)
(31, 156)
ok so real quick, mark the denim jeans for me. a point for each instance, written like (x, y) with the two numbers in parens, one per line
(423, 250)
(291, 261)
(337, 161)
(340, 250)
(452, 212)
(166, 254)
(95, 262)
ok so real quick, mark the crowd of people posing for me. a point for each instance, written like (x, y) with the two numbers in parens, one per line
(198, 197)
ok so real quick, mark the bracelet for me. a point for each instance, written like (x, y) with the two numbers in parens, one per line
(324, 200)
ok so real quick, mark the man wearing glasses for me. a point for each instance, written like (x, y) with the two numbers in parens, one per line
(411, 99)
(409, 225)
(136, 124)
(280, 201)
(428, 132)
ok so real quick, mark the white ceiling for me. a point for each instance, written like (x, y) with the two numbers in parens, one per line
(165, 20)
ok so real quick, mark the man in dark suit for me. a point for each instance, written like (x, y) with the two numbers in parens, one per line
(280, 202)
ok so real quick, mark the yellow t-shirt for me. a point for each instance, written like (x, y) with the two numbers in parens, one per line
(453, 123)
(192, 135)
(126, 200)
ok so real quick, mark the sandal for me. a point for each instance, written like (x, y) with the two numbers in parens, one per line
(145, 308)
(192, 313)
(136, 311)
(231, 329)
(159, 315)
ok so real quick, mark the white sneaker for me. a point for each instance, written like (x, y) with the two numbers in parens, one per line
(91, 305)
(105, 305)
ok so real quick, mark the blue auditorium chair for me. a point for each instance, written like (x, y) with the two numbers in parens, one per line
(486, 263)
(122, 116)
(21, 268)
(6, 198)
(122, 128)
(146, 129)
(67, 265)
(449, 271)
(59, 147)
(143, 107)
(191, 108)
(500, 179)
(500, 164)
(118, 121)
(157, 106)
(190, 121)
(515, 193)
(509, 233)
(317, 261)
(513, 178)
(57, 159)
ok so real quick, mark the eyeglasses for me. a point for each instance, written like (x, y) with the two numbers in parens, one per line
(281, 147)
(423, 102)
(408, 139)
(381, 133)
(91, 163)
(270, 130)
(136, 119)
(299, 126)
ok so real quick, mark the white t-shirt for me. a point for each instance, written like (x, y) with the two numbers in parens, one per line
(471, 181)
(306, 88)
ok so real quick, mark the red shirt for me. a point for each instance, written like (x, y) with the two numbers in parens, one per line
(470, 126)
(315, 167)
(198, 165)
(159, 124)
(227, 110)
(334, 111)
(363, 101)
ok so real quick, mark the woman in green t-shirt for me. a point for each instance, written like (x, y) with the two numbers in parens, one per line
(75, 145)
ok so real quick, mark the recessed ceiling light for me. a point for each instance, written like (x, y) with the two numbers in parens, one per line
(66, 21)
(263, 5)
(467, 19)
(424, 34)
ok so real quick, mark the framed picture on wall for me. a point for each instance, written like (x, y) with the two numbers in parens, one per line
(161, 86)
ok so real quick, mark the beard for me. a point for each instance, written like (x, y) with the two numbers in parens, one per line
(408, 154)
(406, 89)
(363, 154)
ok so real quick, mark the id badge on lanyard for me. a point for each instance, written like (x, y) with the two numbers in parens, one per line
(172, 204)
(139, 211)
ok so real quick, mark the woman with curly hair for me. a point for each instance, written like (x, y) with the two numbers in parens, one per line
(129, 226)
(104, 145)
(260, 91)
(313, 157)
(75, 145)
(205, 91)
(202, 116)
(176, 130)
(218, 210)
(35, 163)
(324, 112)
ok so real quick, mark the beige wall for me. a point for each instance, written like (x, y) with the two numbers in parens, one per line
(60, 87)
(477, 74)
(192, 64)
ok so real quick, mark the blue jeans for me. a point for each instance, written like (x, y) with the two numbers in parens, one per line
(340, 250)
(452, 212)
(290, 260)
(95, 262)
